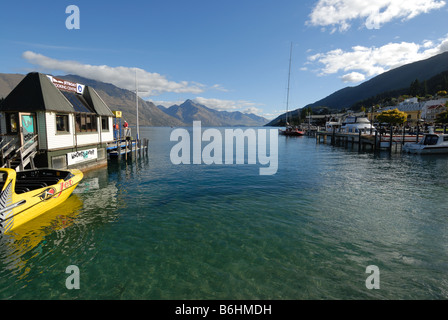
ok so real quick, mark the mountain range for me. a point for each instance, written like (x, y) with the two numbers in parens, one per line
(392, 80)
(149, 114)
(190, 111)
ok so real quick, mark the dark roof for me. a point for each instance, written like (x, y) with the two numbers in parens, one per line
(36, 92)
(98, 104)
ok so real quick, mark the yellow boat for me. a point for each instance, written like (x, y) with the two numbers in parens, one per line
(27, 194)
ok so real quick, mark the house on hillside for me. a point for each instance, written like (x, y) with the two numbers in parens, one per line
(432, 109)
(416, 111)
(413, 109)
(56, 123)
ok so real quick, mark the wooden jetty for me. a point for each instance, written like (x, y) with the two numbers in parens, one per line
(127, 147)
(364, 141)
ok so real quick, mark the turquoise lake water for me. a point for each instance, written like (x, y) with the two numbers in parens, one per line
(148, 229)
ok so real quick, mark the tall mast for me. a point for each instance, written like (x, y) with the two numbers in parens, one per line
(136, 99)
(289, 81)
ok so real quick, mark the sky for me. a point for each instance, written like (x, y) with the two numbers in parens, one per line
(228, 55)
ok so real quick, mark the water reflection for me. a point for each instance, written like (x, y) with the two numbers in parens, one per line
(15, 245)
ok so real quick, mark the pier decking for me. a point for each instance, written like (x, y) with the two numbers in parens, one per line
(364, 141)
(127, 147)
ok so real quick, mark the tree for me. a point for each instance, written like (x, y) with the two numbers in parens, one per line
(425, 89)
(442, 117)
(394, 117)
(305, 112)
(414, 88)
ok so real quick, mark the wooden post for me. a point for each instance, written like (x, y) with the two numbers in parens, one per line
(147, 145)
(402, 139)
(333, 136)
(376, 141)
(391, 138)
(359, 141)
(126, 149)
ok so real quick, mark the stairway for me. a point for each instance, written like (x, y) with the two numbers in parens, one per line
(15, 157)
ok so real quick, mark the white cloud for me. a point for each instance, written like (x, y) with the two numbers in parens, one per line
(338, 14)
(253, 110)
(362, 62)
(149, 83)
(219, 88)
(353, 77)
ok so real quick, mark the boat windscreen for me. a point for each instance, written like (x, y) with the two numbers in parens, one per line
(431, 140)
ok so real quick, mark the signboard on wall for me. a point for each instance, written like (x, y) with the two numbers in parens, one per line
(67, 85)
(81, 156)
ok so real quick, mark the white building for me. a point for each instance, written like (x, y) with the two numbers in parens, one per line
(68, 123)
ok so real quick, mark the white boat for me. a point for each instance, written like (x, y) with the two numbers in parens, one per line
(356, 125)
(431, 143)
(332, 124)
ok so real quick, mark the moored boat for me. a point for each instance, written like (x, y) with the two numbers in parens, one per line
(431, 143)
(290, 131)
(27, 194)
(356, 125)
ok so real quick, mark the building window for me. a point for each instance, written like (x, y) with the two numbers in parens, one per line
(105, 123)
(12, 122)
(62, 123)
(86, 122)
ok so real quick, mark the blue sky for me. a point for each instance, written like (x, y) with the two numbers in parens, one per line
(229, 55)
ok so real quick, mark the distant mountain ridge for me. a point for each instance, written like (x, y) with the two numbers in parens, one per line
(394, 79)
(149, 114)
(190, 111)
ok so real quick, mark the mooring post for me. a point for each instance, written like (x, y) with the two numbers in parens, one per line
(376, 141)
(359, 141)
(126, 149)
(333, 136)
(402, 139)
(391, 138)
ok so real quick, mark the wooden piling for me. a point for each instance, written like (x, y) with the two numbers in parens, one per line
(391, 138)
(359, 141)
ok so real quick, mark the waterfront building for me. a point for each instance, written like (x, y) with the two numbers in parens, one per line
(424, 110)
(57, 123)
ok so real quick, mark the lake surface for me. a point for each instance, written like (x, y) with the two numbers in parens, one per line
(148, 229)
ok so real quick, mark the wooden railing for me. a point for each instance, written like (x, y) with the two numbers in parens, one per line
(6, 149)
(15, 157)
(25, 154)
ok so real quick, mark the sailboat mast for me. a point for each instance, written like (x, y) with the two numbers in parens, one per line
(289, 82)
(136, 99)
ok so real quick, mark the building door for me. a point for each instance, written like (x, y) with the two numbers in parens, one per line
(28, 128)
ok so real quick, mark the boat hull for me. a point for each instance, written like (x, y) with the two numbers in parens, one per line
(20, 208)
(419, 149)
(291, 133)
(430, 144)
